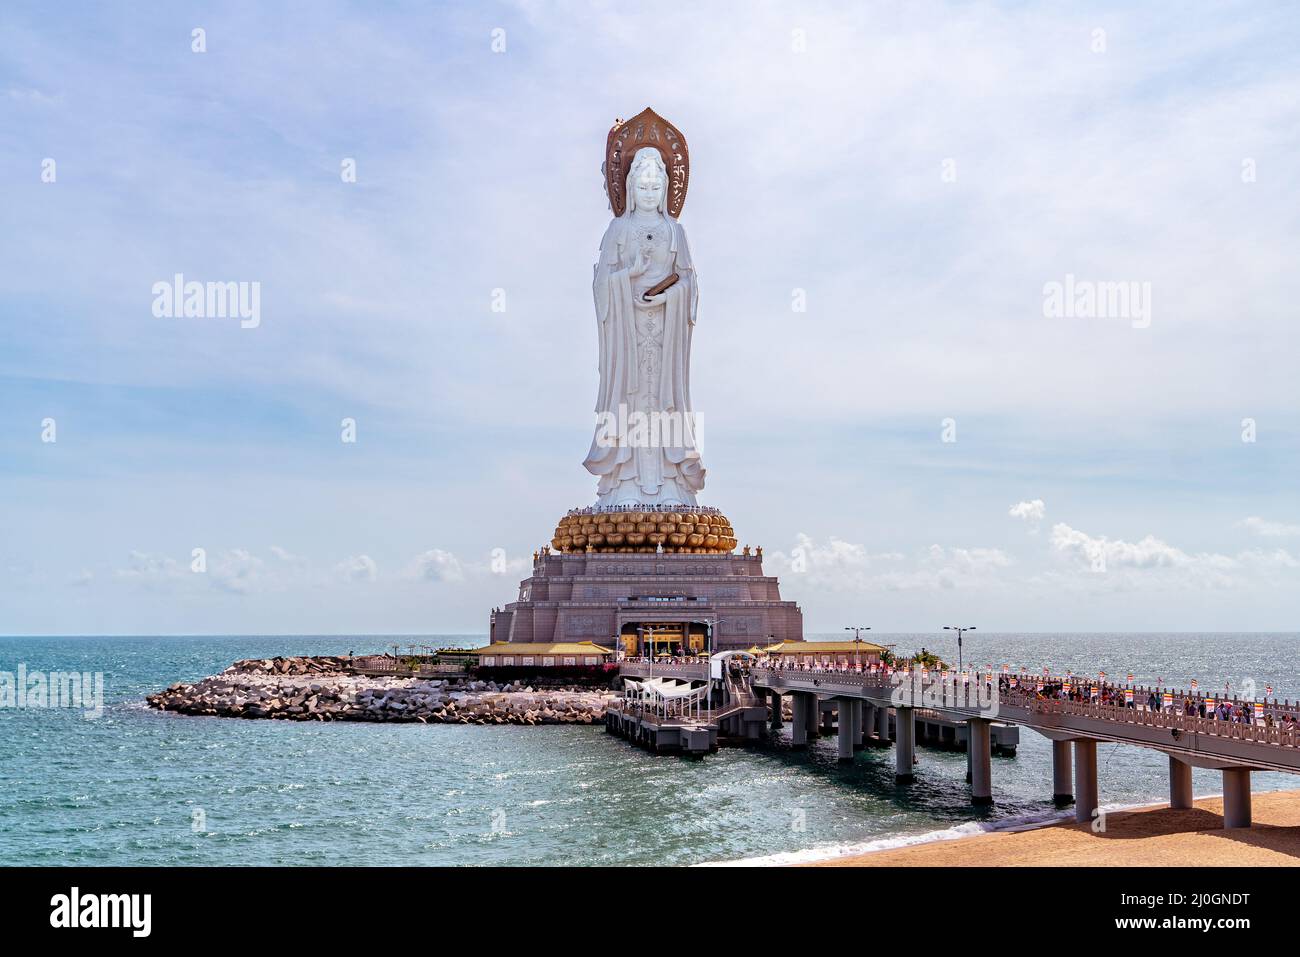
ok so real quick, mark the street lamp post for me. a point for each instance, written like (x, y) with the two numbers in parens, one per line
(960, 631)
(708, 624)
(640, 641)
(857, 640)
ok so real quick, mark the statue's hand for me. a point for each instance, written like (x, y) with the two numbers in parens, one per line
(641, 265)
(652, 301)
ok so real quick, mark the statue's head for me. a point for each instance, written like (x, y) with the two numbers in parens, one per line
(647, 181)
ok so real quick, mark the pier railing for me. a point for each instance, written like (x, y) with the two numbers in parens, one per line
(1253, 729)
(1174, 720)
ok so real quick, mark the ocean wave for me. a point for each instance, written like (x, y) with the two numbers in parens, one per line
(1021, 822)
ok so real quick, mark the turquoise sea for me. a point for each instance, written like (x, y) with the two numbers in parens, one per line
(138, 787)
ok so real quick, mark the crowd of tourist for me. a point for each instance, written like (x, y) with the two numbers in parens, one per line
(1084, 691)
(1192, 705)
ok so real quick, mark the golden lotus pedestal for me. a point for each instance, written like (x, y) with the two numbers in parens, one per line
(694, 532)
(634, 578)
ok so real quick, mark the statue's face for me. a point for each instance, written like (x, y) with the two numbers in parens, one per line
(649, 188)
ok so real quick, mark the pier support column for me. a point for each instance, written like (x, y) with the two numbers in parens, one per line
(799, 724)
(809, 704)
(774, 700)
(970, 750)
(904, 745)
(979, 744)
(882, 723)
(855, 708)
(1236, 797)
(1085, 779)
(1180, 784)
(1062, 779)
(844, 709)
(868, 712)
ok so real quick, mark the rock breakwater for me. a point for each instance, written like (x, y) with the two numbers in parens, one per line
(321, 689)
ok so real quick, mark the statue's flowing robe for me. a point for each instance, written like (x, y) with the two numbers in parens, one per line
(618, 462)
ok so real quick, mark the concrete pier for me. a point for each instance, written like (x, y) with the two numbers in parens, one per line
(1180, 784)
(904, 745)
(1062, 778)
(844, 718)
(1085, 778)
(1236, 797)
(857, 706)
(799, 723)
(814, 706)
(774, 699)
(1074, 727)
(979, 750)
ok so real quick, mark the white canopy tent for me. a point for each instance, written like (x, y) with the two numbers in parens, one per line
(669, 697)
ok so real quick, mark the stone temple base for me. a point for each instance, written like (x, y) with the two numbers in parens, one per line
(689, 531)
(636, 600)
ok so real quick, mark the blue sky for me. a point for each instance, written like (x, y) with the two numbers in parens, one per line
(823, 142)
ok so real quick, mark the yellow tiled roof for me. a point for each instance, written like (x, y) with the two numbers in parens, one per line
(543, 648)
(823, 647)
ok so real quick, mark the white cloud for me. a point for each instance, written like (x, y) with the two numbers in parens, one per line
(837, 565)
(437, 565)
(1150, 552)
(152, 571)
(1029, 511)
(238, 571)
(1267, 529)
(1154, 561)
(359, 568)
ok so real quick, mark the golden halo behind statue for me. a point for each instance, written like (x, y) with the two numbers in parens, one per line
(647, 128)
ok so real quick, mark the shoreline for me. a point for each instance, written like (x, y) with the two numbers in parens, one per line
(1147, 835)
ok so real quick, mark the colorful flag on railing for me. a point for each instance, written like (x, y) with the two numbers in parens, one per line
(1129, 679)
(1012, 682)
(1194, 686)
(1128, 695)
(1167, 699)
(943, 675)
(1101, 675)
(1006, 669)
(1211, 702)
(1268, 690)
(1259, 711)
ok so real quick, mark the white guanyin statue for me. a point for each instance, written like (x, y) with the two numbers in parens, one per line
(645, 450)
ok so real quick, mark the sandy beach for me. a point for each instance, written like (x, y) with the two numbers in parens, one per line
(1155, 836)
